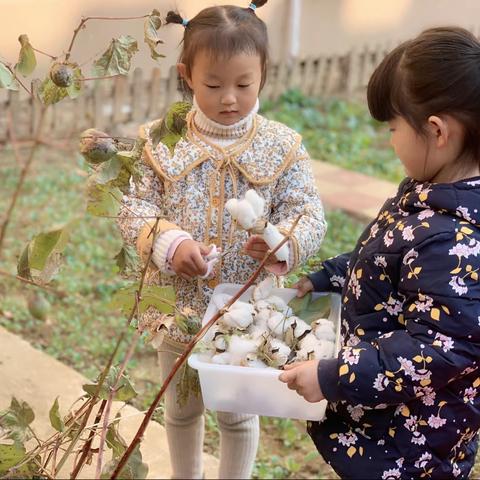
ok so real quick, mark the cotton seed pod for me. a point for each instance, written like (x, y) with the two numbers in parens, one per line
(220, 342)
(256, 201)
(324, 329)
(261, 318)
(272, 238)
(278, 324)
(96, 146)
(237, 318)
(263, 289)
(246, 216)
(61, 74)
(257, 332)
(261, 305)
(298, 329)
(308, 342)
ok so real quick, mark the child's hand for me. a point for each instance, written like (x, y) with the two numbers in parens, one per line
(303, 286)
(303, 378)
(188, 261)
(257, 248)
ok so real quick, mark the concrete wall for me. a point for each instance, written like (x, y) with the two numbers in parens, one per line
(325, 25)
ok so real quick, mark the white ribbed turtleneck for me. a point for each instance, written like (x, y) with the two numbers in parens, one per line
(219, 134)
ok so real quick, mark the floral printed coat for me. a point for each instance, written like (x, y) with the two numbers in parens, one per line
(189, 187)
(404, 391)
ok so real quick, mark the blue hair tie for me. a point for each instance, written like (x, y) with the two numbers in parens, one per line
(252, 6)
(185, 22)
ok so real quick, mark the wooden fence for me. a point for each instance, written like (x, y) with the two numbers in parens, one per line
(111, 103)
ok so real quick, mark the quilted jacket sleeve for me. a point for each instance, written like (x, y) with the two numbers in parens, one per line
(295, 194)
(331, 277)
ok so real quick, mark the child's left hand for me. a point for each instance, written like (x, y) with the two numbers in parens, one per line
(303, 378)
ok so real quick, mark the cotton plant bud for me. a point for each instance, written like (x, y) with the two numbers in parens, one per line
(222, 358)
(96, 146)
(278, 324)
(62, 74)
(239, 347)
(256, 201)
(252, 360)
(324, 329)
(263, 289)
(272, 238)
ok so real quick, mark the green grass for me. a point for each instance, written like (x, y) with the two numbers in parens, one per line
(340, 132)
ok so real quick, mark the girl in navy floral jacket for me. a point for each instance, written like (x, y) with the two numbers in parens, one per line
(404, 392)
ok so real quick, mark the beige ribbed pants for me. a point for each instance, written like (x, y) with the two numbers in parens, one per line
(239, 433)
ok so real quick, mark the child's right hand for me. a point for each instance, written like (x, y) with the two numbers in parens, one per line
(188, 260)
(303, 286)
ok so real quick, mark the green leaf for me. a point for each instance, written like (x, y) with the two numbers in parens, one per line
(172, 127)
(108, 171)
(10, 455)
(124, 390)
(117, 57)
(133, 469)
(151, 27)
(26, 58)
(103, 200)
(7, 79)
(16, 420)
(126, 259)
(161, 298)
(44, 244)
(114, 440)
(23, 268)
(49, 93)
(310, 310)
(75, 89)
(55, 419)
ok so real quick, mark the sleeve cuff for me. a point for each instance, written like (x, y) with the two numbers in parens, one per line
(320, 281)
(162, 247)
(328, 379)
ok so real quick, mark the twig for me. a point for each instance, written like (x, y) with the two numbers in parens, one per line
(53, 57)
(18, 80)
(58, 293)
(99, 78)
(86, 448)
(85, 20)
(138, 436)
(23, 175)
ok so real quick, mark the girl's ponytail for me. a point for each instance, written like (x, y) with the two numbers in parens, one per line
(175, 17)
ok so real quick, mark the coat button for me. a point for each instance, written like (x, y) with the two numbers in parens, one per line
(215, 241)
(215, 201)
(212, 283)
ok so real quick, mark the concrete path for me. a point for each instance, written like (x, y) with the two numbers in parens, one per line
(38, 379)
(357, 194)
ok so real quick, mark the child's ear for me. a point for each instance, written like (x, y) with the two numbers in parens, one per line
(182, 71)
(439, 129)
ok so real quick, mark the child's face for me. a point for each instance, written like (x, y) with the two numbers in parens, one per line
(225, 89)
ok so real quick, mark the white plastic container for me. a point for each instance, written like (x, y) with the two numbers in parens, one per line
(228, 388)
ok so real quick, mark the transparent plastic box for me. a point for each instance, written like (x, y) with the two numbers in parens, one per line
(229, 388)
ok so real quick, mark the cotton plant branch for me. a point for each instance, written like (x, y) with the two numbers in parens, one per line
(133, 312)
(58, 293)
(141, 430)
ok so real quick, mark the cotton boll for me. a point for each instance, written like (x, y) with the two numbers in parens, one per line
(279, 352)
(278, 324)
(248, 307)
(298, 329)
(261, 318)
(239, 318)
(263, 289)
(257, 332)
(221, 299)
(220, 342)
(324, 349)
(261, 305)
(232, 207)
(324, 329)
(308, 342)
(239, 347)
(252, 360)
(277, 302)
(273, 237)
(222, 358)
(256, 201)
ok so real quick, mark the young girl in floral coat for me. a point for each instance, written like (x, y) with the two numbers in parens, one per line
(404, 391)
(225, 149)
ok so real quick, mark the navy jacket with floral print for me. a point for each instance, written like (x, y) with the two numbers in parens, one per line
(404, 390)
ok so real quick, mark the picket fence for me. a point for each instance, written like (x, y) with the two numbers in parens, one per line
(111, 103)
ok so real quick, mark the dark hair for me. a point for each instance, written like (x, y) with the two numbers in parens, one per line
(436, 73)
(223, 31)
